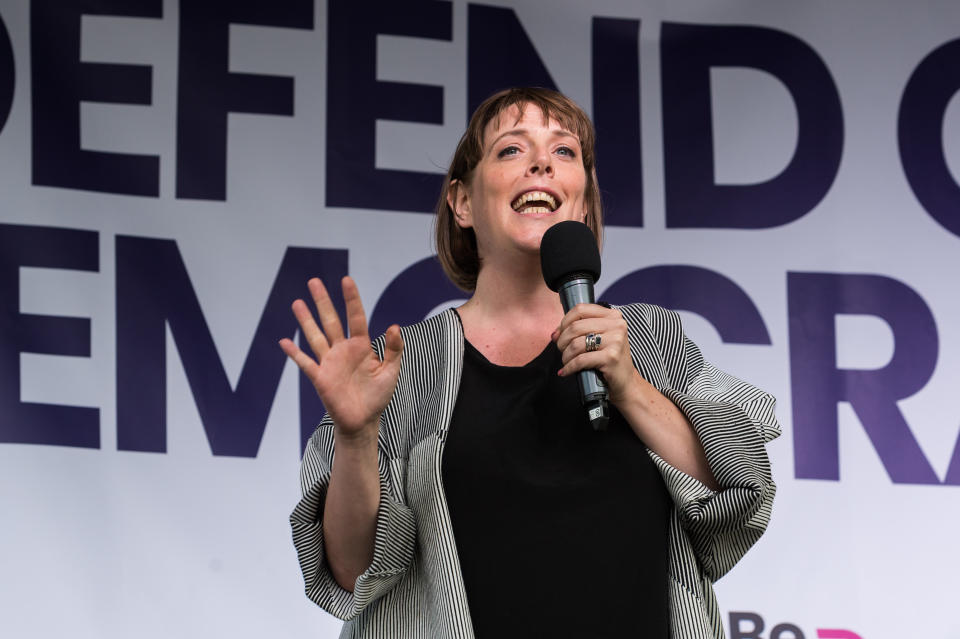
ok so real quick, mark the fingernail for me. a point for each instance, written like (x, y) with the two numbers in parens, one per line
(554, 335)
(560, 372)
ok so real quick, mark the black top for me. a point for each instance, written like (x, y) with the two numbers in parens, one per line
(561, 531)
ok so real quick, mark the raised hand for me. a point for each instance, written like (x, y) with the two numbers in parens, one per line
(353, 383)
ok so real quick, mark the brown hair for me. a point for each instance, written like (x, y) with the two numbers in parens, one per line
(457, 246)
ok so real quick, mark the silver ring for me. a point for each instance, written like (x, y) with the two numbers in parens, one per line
(593, 342)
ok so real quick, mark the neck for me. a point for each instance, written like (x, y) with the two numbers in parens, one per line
(515, 296)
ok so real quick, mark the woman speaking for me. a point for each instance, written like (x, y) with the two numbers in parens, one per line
(456, 489)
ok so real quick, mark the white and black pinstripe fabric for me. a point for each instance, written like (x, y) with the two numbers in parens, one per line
(414, 588)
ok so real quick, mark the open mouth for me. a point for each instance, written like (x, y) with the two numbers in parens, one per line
(535, 202)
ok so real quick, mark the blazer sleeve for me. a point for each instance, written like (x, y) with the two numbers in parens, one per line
(734, 421)
(395, 532)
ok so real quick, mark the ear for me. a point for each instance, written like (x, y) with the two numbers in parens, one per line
(458, 198)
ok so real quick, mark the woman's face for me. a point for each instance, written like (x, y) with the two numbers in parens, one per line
(530, 177)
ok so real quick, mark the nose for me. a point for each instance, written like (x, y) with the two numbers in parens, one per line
(541, 163)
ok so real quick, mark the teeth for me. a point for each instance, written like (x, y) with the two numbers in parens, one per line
(535, 196)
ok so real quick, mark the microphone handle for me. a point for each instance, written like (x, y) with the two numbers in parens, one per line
(593, 391)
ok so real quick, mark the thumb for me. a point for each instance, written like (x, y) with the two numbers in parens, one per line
(393, 345)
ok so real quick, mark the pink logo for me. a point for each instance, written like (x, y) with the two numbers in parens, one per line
(832, 633)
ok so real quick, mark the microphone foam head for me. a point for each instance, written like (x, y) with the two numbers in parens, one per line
(568, 248)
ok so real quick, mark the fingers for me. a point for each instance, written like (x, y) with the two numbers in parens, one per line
(584, 319)
(304, 361)
(356, 318)
(329, 319)
(585, 362)
(315, 337)
(612, 356)
(612, 344)
(613, 353)
(393, 345)
(322, 341)
(574, 335)
(582, 312)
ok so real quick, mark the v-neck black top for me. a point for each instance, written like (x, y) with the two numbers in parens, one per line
(560, 530)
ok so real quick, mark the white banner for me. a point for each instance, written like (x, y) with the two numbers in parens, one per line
(785, 175)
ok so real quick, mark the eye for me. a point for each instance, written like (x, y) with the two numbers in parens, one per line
(509, 150)
(566, 150)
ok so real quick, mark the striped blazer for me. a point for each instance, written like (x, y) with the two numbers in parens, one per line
(414, 587)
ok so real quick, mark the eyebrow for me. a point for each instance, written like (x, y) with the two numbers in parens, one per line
(556, 133)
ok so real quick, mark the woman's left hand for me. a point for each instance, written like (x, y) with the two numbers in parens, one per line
(612, 355)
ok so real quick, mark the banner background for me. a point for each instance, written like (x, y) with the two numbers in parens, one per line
(107, 541)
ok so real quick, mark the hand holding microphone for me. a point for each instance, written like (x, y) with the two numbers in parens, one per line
(570, 261)
(592, 338)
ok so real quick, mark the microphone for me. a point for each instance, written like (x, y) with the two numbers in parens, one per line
(570, 261)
